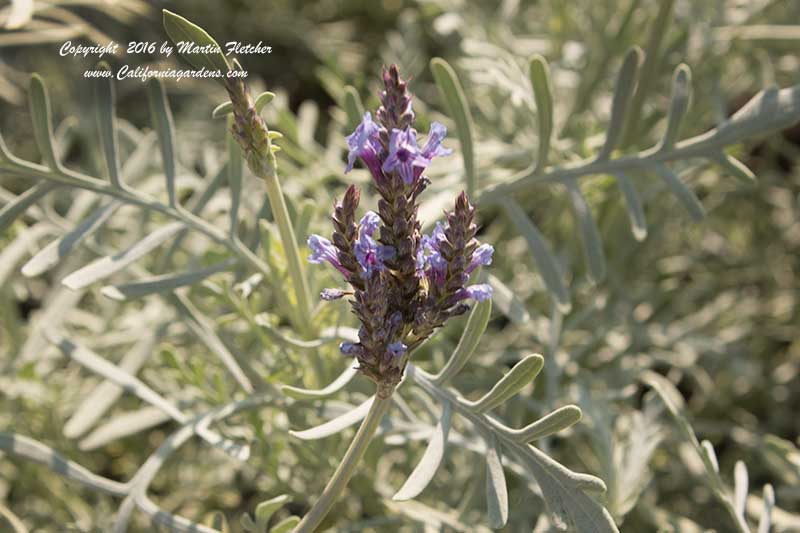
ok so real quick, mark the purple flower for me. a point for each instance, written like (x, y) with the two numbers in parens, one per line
(349, 348)
(405, 156)
(323, 250)
(433, 147)
(482, 256)
(437, 235)
(478, 292)
(429, 258)
(396, 319)
(365, 143)
(396, 349)
(420, 260)
(370, 254)
(369, 223)
(333, 294)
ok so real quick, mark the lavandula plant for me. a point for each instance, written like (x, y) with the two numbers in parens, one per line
(403, 285)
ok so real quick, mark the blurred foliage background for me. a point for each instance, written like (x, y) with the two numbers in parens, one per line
(712, 306)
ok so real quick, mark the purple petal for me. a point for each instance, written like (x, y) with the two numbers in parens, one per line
(404, 155)
(429, 259)
(364, 142)
(478, 292)
(369, 223)
(438, 235)
(323, 250)
(482, 256)
(349, 348)
(371, 255)
(332, 294)
(433, 146)
(396, 349)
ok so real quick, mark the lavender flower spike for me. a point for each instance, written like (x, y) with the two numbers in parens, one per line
(323, 250)
(405, 285)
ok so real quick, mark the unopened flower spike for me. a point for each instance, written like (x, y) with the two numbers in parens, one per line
(405, 284)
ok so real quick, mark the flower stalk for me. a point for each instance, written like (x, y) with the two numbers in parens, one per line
(253, 135)
(347, 467)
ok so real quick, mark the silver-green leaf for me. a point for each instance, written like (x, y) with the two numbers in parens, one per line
(540, 249)
(426, 468)
(453, 96)
(520, 375)
(476, 325)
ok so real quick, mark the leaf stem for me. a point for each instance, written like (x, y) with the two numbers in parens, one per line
(75, 179)
(286, 230)
(347, 467)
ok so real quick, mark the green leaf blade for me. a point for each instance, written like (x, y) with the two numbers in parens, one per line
(621, 101)
(111, 264)
(496, 490)
(107, 124)
(337, 424)
(476, 325)
(161, 115)
(678, 105)
(335, 386)
(539, 73)
(164, 283)
(426, 468)
(633, 205)
(590, 235)
(540, 250)
(520, 375)
(552, 423)
(456, 103)
(180, 30)
(55, 252)
(15, 208)
(41, 113)
(682, 192)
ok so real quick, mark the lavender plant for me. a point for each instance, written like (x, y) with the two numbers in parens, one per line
(179, 287)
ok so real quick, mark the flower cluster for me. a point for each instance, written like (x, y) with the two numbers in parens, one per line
(404, 284)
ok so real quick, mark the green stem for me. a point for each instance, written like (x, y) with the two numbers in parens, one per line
(286, 230)
(347, 467)
(71, 178)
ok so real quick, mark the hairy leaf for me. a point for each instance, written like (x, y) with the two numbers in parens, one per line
(523, 373)
(496, 492)
(476, 325)
(540, 249)
(543, 96)
(426, 468)
(453, 96)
